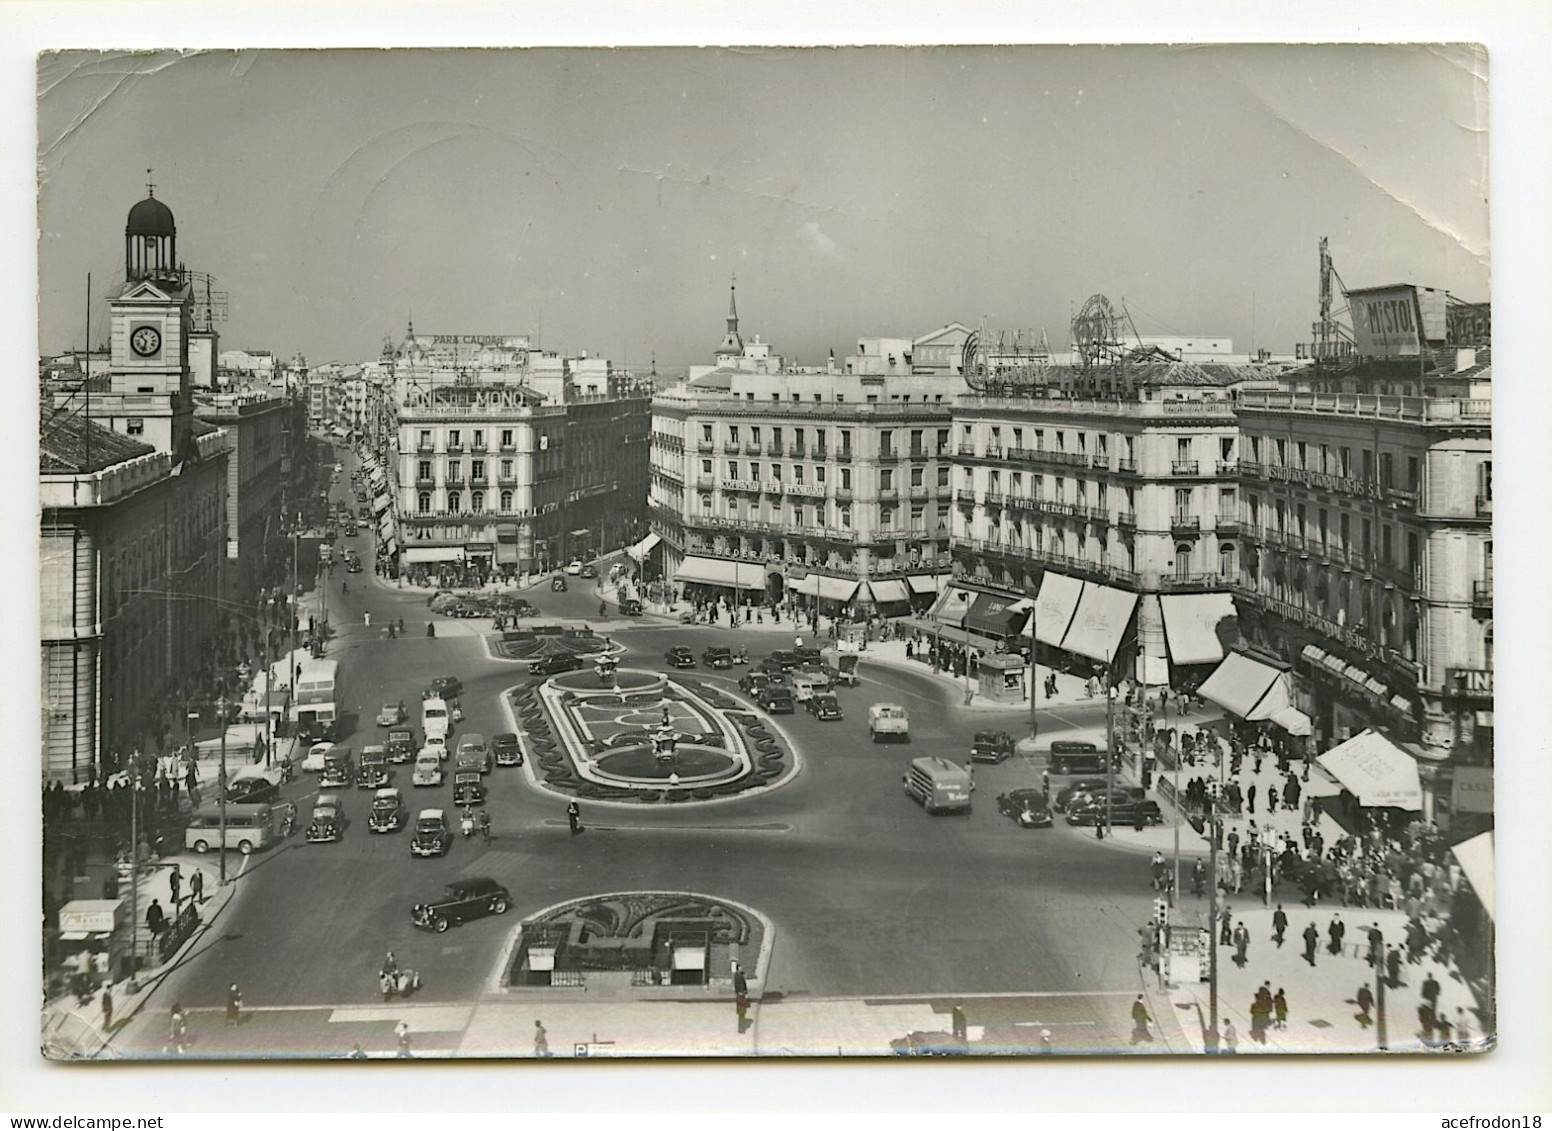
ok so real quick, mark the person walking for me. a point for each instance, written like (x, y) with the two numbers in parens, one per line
(1334, 934)
(1280, 1008)
(1250, 797)
(1140, 1022)
(156, 922)
(541, 1040)
(1225, 930)
(107, 1010)
(233, 1005)
(1230, 1044)
(957, 1022)
(1430, 991)
(1311, 941)
(1365, 1005)
(740, 995)
(178, 1030)
(1279, 925)
(175, 883)
(1393, 967)
(1241, 944)
(574, 817)
(402, 1032)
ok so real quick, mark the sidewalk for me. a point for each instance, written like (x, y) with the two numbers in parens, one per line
(74, 1030)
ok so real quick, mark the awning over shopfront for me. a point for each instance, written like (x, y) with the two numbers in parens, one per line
(414, 554)
(1248, 687)
(952, 605)
(1055, 606)
(1313, 654)
(927, 582)
(385, 526)
(945, 634)
(1294, 721)
(1476, 860)
(888, 591)
(390, 545)
(506, 552)
(641, 549)
(381, 503)
(1190, 625)
(718, 571)
(1102, 616)
(1376, 771)
(826, 588)
(1333, 664)
(992, 614)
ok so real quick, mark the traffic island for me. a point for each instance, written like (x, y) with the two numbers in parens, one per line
(650, 944)
(643, 738)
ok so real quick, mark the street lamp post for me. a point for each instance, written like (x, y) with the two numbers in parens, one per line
(221, 780)
(134, 873)
(1214, 792)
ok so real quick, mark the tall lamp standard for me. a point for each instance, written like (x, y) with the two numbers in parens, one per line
(221, 780)
(134, 873)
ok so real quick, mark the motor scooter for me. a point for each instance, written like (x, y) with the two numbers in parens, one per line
(467, 823)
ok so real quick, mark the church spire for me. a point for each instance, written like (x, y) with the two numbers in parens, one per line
(731, 342)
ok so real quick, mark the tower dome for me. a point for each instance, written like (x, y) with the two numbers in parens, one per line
(150, 217)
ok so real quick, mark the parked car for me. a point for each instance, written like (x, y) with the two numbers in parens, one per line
(775, 700)
(470, 898)
(786, 659)
(818, 676)
(328, 820)
(808, 654)
(1028, 807)
(468, 789)
(991, 746)
(825, 708)
(432, 836)
(506, 748)
(574, 567)
(388, 813)
(630, 607)
(802, 688)
(553, 665)
(253, 785)
(680, 657)
(447, 687)
(717, 657)
(401, 745)
(373, 772)
(1065, 795)
(752, 683)
(1123, 811)
(390, 715)
(313, 762)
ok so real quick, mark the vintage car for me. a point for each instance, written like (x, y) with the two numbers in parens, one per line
(752, 683)
(472, 897)
(353, 565)
(775, 700)
(401, 745)
(428, 768)
(390, 714)
(373, 773)
(818, 676)
(802, 688)
(328, 820)
(1065, 795)
(437, 743)
(338, 771)
(808, 654)
(588, 570)
(468, 789)
(889, 721)
(553, 665)
(558, 583)
(630, 607)
(514, 606)
(1125, 809)
(826, 708)
(506, 749)
(991, 746)
(446, 687)
(388, 813)
(253, 785)
(473, 754)
(717, 657)
(784, 659)
(313, 763)
(1027, 807)
(680, 657)
(432, 836)
(574, 567)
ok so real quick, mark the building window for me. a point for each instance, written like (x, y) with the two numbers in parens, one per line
(918, 516)
(732, 433)
(732, 469)
(454, 501)
(506, 469)
(754, 470)
(506, 501)
(1182, 450)
(754, 436)
(1226, 561)
(706, 433)
(776, 473)
(477, 469)
(455, 472)
(918, 477)
(886, 479)
(1387, 470)
(479, 437)
(819, 474)
(425, 438)
(1385, 546)
(423, 469)
(705, 504)
(506, 438)
(942, 475)
(454, 438)
(705, 467)
(423, 502)
(477, 502)
(846, 441)
(845, 479)
(845, 518)
(1183, 560)
(886, 518)
(1412, 484)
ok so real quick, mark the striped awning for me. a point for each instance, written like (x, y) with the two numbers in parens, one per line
(888, 590)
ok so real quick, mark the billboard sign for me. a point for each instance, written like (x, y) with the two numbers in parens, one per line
(1385, 322)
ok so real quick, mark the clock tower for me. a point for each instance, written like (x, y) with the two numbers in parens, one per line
(150, 386)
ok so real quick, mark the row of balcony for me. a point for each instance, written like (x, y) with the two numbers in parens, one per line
(430, 448)
(463, 484)
(1098, 461)
(799, 451)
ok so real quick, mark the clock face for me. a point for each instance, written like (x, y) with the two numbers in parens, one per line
(146, 341)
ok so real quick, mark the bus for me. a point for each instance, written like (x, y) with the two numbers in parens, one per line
(248, 827)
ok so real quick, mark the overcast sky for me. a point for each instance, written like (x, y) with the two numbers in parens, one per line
(602, 199)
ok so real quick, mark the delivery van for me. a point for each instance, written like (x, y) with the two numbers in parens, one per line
(938, 785)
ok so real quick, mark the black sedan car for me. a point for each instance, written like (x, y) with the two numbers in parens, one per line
(553, 665)
(826, 708)
(991, 746)
(680, 657)
(1027, 807)
(471, 898)
(1068, 792)
(447, 687)
(1123, 811)
(506, 749)
(717, 657)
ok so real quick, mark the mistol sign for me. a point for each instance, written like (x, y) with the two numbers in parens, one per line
(1395, 322)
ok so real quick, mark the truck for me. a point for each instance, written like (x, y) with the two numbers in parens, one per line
(889, 721)
(313, 710)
